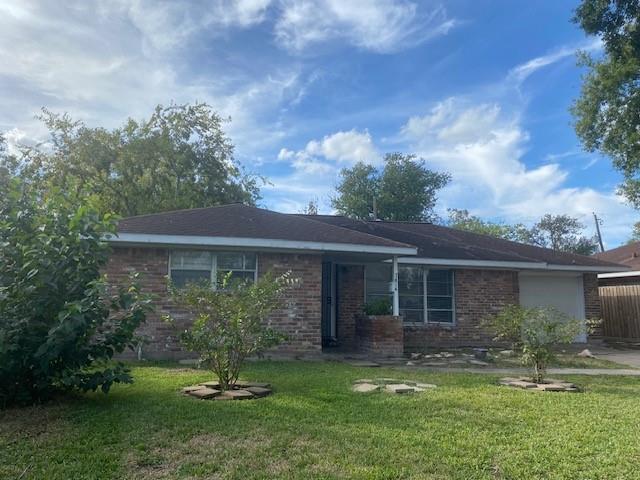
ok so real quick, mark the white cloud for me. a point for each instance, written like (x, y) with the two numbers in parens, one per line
(483, 149)
(314, 169)
(104, 61)
(521, 72)
(378, 25)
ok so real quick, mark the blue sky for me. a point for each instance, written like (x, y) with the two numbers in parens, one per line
(480, 89)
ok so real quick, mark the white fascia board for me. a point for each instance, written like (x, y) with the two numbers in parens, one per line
(269, 243)
(634, 273)
(505, 264)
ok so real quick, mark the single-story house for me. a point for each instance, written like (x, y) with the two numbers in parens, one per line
(441, 282)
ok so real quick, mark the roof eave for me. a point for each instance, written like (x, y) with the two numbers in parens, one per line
(511, 265)
(254, 243)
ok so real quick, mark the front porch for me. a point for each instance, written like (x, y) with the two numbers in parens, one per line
(346, 328)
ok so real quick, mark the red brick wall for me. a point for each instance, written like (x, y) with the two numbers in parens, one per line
(153, 266)
(379, 335)
(591, 297)
(300, 319)
(478, 293)
(350, 292)
(592, 307)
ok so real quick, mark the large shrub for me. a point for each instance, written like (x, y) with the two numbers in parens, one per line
(535, 332)
(59, 322)
(230, 322)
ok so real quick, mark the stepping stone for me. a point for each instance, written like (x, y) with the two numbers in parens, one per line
(386, 380)
(259, 391)
(523, 384)
(552, 387)
(211, 384)
(399, 388)
(258, 384)
(192, 388)
(425, 385)
(365, 387)
(235, 395)
(364, 380)
(204, 393)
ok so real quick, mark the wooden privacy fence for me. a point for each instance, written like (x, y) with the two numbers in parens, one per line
(621, 311)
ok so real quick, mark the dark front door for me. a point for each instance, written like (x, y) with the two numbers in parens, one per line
(328, 303)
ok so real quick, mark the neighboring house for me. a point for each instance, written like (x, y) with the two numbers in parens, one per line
(441, 282)
(620, 293)
(628, 255)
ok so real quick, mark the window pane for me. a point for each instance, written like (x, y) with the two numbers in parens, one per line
(440, 316)
(375, 297)
(410, 288)
(381, 272)
(230, 261)
(180, 278)
(443, 276)
(410, 274)
(412, 316)
(378, 279)
(236, 277)
(191, 260)
(437, 288)
(249, 261)
(439, 303)
(411, 301)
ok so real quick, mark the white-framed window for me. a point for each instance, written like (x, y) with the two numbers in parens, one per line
(189, 266)
(426, 294)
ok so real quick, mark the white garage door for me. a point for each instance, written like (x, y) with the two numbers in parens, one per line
(565, 292)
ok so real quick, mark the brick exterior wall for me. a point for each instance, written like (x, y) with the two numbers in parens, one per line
(478, 293)
(300, 318)
(379, 335)
(592, 307)
(350, 293)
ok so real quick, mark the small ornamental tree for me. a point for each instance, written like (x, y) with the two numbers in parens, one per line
(60, 325)
(535, 331)
(230, 322)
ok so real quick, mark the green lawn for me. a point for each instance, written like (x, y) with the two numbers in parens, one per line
(315, 427)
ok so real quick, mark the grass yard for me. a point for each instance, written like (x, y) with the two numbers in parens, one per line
(315, 427)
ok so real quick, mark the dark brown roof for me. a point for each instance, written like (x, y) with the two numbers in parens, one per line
(435, 241)
(626, 255)
(237, 220)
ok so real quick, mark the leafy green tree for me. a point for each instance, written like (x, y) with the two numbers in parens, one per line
(230, 323)
(535, 332)
(178, 158)
(463, 220)
(60, 325)
(403, 190)
(635, 233)
(607, 113)
(562, 233)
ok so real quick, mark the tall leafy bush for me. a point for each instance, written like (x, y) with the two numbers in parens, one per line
(60, 324)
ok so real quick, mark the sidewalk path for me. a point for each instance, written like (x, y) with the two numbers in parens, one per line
(522, 371)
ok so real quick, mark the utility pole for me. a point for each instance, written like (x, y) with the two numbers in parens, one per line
(595, 217)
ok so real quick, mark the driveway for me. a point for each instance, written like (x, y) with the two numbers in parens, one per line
(623, 356)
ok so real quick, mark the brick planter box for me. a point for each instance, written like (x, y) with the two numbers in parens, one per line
(379, 334)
